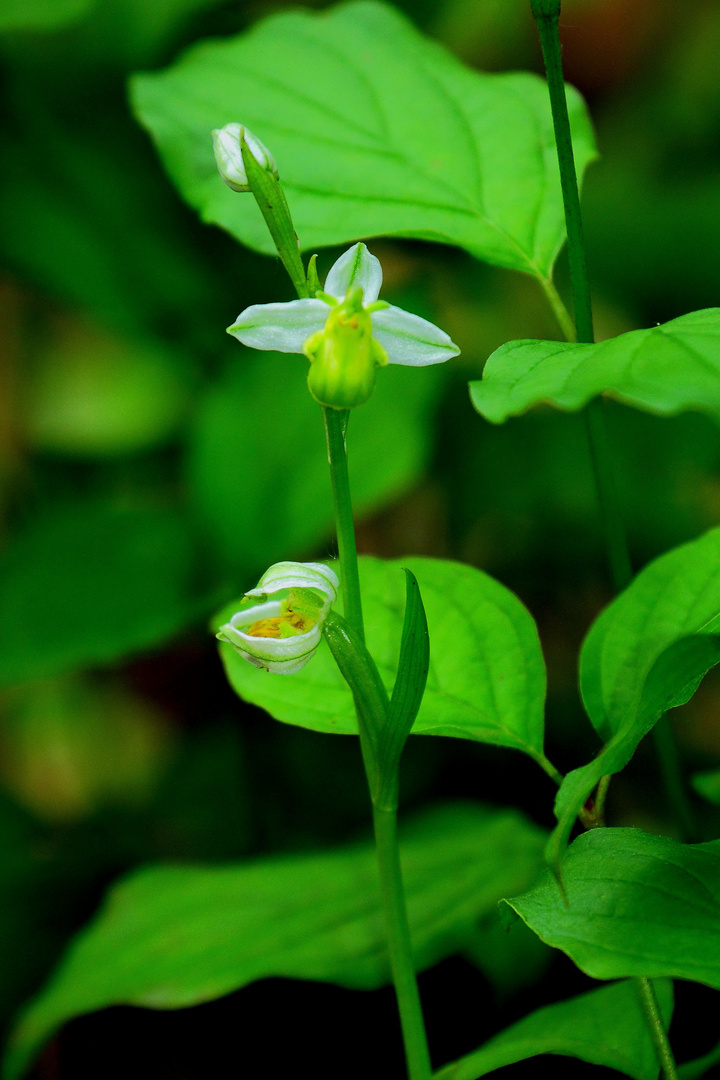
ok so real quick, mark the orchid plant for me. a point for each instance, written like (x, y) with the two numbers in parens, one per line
(462, 658)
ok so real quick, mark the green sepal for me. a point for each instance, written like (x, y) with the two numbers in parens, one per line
(270, 197)
(312, 277)
(407, 692)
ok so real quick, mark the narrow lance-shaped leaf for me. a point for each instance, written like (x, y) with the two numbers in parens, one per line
(173, 936)
(604, 1027)
(637, 905)
(409, 687)
(666, 369)
(645, 654)
(390, 136)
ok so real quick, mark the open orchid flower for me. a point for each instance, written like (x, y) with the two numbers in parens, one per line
(345, 332)
(279, 623)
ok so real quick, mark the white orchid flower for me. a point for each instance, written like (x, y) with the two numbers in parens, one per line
(345, 332)
(279, 623)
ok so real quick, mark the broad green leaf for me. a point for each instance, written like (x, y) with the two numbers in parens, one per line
(646, 653)
(40, 14)
(604, 1027)
(666, 369)
(486, 680)
(258, 465)
(173, 936)
(376, 131)
(89, 582)
(637, 905)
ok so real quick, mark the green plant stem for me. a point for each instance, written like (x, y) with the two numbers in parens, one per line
(651, 1009)
(546, 15)
(613, 529)
(560, 312)
(547, 18)
(335, 421)
(399, 946)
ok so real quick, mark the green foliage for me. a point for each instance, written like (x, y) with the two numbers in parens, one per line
(666, 893)
(665, 370)
(486, 680)
(40, 14)
(605, 1027)
(89, 582)
(276, 503)
(411, 142)
(646, 653)
(172, 936)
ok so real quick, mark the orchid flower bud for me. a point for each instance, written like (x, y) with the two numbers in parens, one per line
(228, 155)
(279, 623)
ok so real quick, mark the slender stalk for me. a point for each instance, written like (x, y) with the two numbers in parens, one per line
(335, 421)
(560, 312)
(651, 1009)
(399, 945)
(369, 694)
(547, 13)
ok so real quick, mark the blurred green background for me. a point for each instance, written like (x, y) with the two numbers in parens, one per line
(150, 468)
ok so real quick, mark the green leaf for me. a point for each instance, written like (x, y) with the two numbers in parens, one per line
(376, 131)
(174, 936)
(40, 14)
(412, 673)
(667, 369)
(604, 1027)
(486, 680)
(645, 654)
(250, 440)
(638, 905)
(89, 582)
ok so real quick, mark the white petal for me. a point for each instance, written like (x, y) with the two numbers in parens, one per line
(293, 575)
(281, 327)
(355, 267)
(408, 339)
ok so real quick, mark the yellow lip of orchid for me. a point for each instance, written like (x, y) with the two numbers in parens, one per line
(279, 623)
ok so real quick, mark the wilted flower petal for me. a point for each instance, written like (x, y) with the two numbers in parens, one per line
(279, 623)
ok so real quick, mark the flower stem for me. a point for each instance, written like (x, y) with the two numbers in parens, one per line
(399, 946)
(546, 16)
(651, 1009)
(335, 421)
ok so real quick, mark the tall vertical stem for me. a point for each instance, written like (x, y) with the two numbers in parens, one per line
(612, 525)
(335, 421)
(399, 946)
(547, 13)
(651, 1008)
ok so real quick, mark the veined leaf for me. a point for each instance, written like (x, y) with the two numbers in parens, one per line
(646, 653)
(637, 905)
(172, 936)
(666, 369)
(486, 679)
(604, 1027)
(376, 131)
